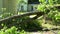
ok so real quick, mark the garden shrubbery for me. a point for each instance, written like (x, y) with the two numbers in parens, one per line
(12, 30)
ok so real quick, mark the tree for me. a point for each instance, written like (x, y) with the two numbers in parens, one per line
(1, 6)
(11, 6)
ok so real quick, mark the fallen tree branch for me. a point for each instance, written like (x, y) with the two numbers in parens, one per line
(52, 6)
(29, 13)
(22, 15)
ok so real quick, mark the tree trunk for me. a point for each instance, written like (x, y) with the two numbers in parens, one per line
(11, 6)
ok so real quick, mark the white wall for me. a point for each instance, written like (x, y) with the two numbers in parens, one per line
(24, 6)
(27, 6)
(34, 7)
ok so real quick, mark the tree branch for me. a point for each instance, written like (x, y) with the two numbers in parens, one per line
(22, 15)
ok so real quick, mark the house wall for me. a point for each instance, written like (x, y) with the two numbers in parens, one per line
(24, 7)
(34, 6)
(24, 4)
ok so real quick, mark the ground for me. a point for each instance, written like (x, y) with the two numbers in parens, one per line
(45, 32)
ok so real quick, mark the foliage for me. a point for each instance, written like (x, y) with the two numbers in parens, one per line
(22, 1)
(46, 5)
(12, 30)
(25, 23)
(59, 32)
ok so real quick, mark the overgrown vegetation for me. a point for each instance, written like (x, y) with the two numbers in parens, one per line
(51, 8)
(12, 30)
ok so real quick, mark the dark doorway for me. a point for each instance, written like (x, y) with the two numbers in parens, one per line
(22, 8)
(33, 1)
(31, 8)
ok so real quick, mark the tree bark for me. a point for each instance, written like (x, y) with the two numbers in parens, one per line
(23, 15)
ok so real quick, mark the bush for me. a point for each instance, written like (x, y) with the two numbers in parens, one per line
(53, 12)
(12, 30)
